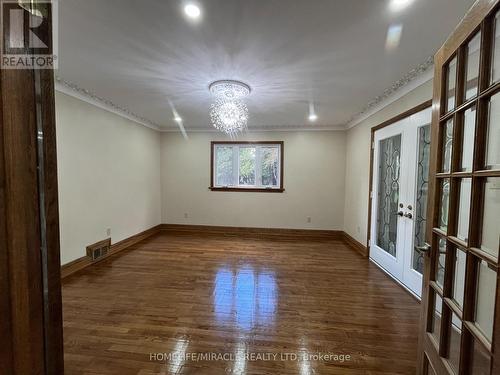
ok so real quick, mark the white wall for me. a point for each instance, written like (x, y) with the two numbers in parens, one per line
(314, 170)
(358, 160)
(109, 176)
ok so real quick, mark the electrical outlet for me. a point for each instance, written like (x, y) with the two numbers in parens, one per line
(108, 232)
(309, 219)
(359, 229)
(186, 215)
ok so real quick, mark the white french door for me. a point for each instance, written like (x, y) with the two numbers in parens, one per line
(399, 198)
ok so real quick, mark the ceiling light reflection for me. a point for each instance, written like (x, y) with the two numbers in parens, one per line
(178, 119)
(240, 359)
(178, 354)
(305, 366)
(304, 363)
(393, 37)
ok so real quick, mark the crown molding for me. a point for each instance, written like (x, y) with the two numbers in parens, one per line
(413, 79)
(73, 90)
(302, 128)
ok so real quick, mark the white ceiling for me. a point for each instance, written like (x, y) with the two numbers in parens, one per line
(139, 54)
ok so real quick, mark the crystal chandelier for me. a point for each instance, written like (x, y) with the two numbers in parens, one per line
(229, 112)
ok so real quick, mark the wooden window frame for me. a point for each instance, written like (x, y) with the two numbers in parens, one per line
(280, 189)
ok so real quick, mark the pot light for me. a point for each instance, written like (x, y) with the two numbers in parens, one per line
(312, 112)
(193, 11)
(313, 117)
(397, 5)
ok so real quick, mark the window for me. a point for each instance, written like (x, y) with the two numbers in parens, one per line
(247, 166)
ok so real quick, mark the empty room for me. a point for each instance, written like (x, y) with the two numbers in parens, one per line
(249, 187)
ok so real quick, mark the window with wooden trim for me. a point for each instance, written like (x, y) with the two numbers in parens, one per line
(247, 166)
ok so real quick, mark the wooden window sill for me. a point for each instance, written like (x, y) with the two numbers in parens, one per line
(247, 190)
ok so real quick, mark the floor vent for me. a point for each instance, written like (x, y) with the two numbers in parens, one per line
(99, 249)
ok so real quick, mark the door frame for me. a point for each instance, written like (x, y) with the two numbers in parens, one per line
(393, 120)
(30, 282)
(472, 22)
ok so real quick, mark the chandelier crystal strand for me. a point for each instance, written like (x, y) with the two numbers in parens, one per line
(229, 113)
(229, 116)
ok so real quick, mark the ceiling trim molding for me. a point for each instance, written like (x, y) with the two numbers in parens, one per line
(413, 79)
(75, 91)
(301, 128)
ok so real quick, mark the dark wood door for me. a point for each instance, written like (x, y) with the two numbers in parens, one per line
(30, 291)
(460, 332)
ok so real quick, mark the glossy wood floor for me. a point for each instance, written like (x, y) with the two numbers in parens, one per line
(190, 295)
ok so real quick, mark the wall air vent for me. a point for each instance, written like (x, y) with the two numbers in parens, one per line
(99, 249)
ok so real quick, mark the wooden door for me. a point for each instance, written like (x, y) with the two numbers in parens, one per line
(460, 332)
(30, 289)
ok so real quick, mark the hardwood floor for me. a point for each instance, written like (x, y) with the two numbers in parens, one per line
(192, 295)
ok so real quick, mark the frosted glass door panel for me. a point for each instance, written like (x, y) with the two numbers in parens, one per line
(490, 239)
(422, 181)
(388, 193)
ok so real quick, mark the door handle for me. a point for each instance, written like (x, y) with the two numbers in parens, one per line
(409, 215)
(400, 213)
(425, 249)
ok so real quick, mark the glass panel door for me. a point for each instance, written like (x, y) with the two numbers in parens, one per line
(401, 176)
(387, 227)
(418, 141)
(464, 203)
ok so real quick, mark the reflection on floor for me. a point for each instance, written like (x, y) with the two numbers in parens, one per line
(198, 304)
(245, 297)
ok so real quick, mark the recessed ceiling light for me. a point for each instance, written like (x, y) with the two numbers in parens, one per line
(178, 119)
(313, 117)
(192, 11)
(397, 5)
(312, 112)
